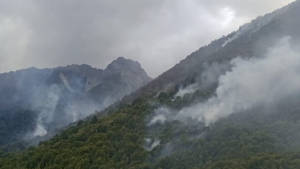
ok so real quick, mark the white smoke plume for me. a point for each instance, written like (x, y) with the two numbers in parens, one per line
(150, 144)
(211, 74)
(161, 115)
(46, 103)
(78, 110)
(250, 82)
(209, 77)
(188, 90)
(256, 24)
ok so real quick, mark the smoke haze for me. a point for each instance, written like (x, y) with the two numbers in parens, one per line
(251, 82)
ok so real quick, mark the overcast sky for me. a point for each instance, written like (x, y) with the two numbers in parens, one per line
(156, 33)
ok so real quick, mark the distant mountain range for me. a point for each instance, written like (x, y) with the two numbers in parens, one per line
(62, 95)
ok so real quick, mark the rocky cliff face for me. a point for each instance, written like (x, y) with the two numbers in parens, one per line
(62, 95)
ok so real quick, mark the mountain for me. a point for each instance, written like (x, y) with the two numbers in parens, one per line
(251, 39)
(232, 104)
(43, 100)
(124, 77)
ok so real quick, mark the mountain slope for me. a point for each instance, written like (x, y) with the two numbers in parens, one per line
(251, 39)
(244, 141)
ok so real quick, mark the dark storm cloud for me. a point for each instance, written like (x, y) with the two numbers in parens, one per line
(157, 33)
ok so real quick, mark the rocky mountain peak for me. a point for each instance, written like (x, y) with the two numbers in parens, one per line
(122, 64)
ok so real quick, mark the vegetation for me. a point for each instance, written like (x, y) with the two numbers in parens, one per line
(250, 140)
(14, 122)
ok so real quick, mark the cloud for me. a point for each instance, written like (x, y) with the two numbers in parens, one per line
(247, 8)
(54, 33)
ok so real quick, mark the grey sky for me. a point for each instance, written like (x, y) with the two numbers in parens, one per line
(157, 33)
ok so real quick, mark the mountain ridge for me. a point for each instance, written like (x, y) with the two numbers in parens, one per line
(62, 95)
(192, 65)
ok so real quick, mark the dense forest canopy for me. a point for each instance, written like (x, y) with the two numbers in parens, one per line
(256, 139)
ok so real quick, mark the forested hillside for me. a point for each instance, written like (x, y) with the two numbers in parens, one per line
(246, 141)
(231, 104)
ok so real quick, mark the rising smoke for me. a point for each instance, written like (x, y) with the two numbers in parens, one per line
(150, 144)
(251, 82)
(58, 105)
(46, 103)
(207, 79)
